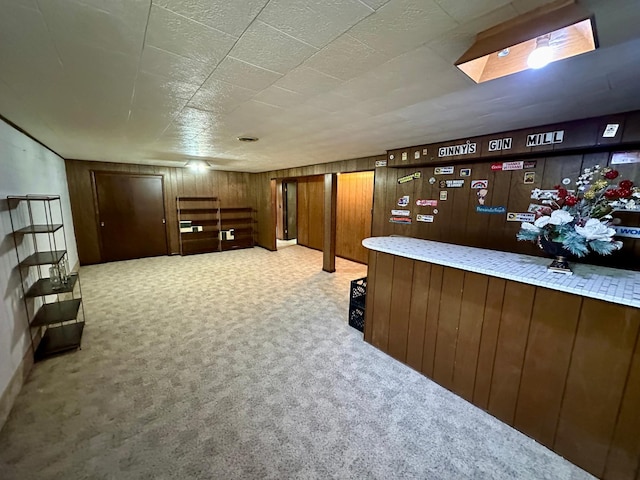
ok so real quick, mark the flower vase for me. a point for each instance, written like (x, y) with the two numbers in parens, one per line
(560, 263)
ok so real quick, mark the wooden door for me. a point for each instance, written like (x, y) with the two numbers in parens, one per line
(355, 205)
(131, 217)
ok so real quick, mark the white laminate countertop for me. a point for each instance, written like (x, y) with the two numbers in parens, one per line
(602, 283)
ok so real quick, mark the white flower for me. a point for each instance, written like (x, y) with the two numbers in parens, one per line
(542, 221)
(560, 217)
(529, 226)
(595, 230)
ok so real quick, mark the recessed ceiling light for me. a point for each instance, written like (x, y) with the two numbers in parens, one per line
(503, 53)
(248, 139)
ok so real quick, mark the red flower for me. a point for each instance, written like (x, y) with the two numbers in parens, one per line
(557, 187)
(623, 193)
(562, 192)
(626, 184)
(612, 194)
(611, 174)
(571, 200)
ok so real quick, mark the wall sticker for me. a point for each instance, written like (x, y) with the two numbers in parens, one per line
(529, 177)
(611, 130)
(546, 138)
(506, 166)
(492, 210)
(403, 201)
(381, 163)
(627, 232)
(443, 170)
(432, 180)
(479, 184)
(465, 172)
(405, 156)
(443, 195)
(404, 220)
(409, 178)
(416, 154)
(426, 203)
(482, 195)
(401, 213)
(467, 148)
(452, 183)
(619, 158)
(499, 144)
(424, 218)
(521, 217)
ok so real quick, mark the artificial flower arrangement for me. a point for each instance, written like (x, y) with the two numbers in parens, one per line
(580, 220)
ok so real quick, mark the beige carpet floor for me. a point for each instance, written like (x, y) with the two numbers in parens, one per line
(241, 365)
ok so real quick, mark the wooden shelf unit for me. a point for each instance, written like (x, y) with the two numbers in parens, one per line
(239, 220)
(200, 212)
(42, 243)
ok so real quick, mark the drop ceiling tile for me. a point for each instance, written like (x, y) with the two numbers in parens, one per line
(308, 81)
(402, 25)
(279, 97)
(346, 58)
(230, 17)
(331, 102)
(195, 119)
(218, 96)
(117, 25)
(269, 48)
(375, 4)
(175, 33)
(237, 72)
(314, 22)
(157, 91)
(466, 11)
(171, 65)
(524, 6)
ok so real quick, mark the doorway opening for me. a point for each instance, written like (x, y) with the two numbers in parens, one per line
(287, 214)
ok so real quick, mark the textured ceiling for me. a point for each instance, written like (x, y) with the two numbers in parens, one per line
(163, 81)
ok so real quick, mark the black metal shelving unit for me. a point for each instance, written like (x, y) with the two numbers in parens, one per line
(55, 312)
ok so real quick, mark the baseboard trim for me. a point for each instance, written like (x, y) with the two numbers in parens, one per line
(8, 397)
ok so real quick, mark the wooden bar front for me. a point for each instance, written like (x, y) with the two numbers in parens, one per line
(561, 368)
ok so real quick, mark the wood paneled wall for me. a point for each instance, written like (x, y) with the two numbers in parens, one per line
(231, 187)
(265, 204)
(311, 211)
(355, 204)
(561, 368)
(457, 220)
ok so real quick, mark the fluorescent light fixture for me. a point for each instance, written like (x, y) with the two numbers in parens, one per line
(197, 166)
(550, 33)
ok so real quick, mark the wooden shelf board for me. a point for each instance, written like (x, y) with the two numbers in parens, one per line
(57, 312)
(43, 258)
(40, 228)
(43, 287)
(59, 339)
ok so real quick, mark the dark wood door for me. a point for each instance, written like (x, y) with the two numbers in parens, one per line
(131, 217)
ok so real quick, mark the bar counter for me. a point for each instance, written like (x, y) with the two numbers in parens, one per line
(602, 283)
(555, 356)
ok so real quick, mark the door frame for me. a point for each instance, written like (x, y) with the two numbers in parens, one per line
(96, 205)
